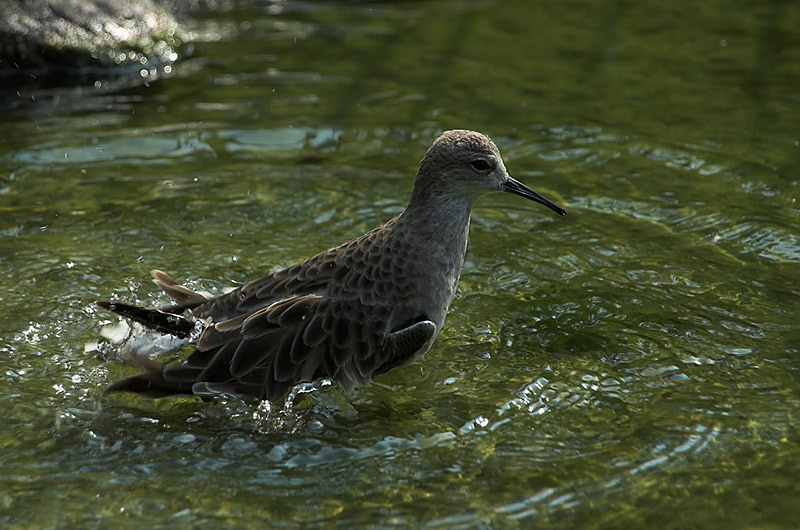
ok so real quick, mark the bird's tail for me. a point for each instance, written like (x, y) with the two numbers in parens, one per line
(171, 327)
(155, 319)
(151, 384)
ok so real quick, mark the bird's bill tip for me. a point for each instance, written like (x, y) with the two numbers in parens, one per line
(518, 188)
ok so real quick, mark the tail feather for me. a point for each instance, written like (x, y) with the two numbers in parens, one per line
(152, 381)
(158, 380)
(155, 319)
(184, 297)
(148, 386)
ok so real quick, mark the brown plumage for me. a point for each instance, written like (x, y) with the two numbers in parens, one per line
(348, 313)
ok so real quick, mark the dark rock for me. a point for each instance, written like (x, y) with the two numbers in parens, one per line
(83, 37)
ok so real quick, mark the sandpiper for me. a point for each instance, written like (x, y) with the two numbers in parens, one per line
(349, 313)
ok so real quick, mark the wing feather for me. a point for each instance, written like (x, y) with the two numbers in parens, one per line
(299, 338)
(313, 333)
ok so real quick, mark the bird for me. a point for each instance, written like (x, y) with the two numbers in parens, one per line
(347, 314)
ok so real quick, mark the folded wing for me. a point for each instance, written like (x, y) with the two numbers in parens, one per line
(299, 338)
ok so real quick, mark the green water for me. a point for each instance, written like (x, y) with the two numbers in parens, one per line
(635, 364)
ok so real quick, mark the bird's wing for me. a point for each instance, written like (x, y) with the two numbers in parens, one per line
(303, 278)
(242, 300)
(301, 338)
(312, 276)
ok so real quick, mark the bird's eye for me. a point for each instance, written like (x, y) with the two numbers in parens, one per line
(480, 164)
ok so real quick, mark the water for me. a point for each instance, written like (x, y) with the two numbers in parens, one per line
(632, 365)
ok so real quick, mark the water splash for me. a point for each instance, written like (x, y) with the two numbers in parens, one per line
(269, 417)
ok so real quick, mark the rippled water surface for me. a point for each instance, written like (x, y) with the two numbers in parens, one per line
(635, 364)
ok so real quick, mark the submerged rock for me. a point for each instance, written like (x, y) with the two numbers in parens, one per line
(81, 37)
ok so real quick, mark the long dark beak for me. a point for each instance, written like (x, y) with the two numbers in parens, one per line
(518, 188)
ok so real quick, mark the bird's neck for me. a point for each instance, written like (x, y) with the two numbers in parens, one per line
(435, 230)
(437, 225)
(439, 220)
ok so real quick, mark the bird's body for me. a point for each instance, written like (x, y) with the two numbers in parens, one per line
(348, 313)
